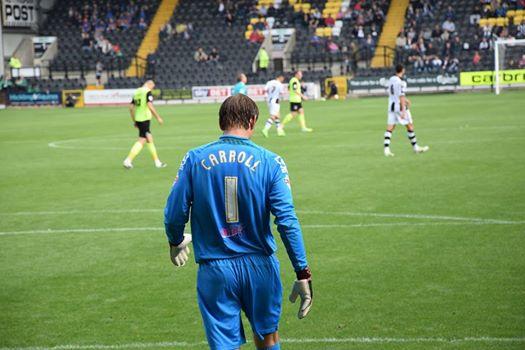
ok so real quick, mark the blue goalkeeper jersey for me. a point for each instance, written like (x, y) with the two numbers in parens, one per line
(230, 187)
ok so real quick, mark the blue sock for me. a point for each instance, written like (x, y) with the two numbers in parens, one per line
(275, 347)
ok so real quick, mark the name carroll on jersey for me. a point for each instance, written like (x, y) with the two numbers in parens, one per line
(231, 156)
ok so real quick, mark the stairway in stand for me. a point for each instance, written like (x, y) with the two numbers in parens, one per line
(395, 20)
(150, 42)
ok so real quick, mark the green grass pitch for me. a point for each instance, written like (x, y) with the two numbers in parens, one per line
(411, 252)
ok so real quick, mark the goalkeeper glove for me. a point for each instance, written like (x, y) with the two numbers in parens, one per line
(302, 288)
(180, 253)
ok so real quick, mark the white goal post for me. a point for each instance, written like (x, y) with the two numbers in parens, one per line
(501, 62)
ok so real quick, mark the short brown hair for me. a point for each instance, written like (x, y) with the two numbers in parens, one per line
(237, 111)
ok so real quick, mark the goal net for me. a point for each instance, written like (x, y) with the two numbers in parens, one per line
(509, 55)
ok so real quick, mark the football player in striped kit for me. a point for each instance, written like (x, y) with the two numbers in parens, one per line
(399, 113)
(273, 90)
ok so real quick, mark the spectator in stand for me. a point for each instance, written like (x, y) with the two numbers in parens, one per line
(214, 55)
(428, 10)
(411, 36)
(112, 25)
(450, 65)
(475, 16)
(501, 11)
(229, 18)
(116, 51)
(261, 24)
(256, 37)
(200, 55)
(450, 14)
(368, 47)
(142, 24)
(329, 21)
(221, 8)
(331, 46)
(448, 26)
(484, 44)
(522, 61)
(378, 14)
(106, 47)
(184, 30)
(487, 31)
(315, 40)
(520, 30)
(401, 41)
(415, 57)
(87, 44)
(166, 31)
(314, 21)
(476, 59)
(99, 68)
(447, 50)
(456, 46)
(263, 11)
(432, 60)
(359, 33)
(421, 45)
(272, 11)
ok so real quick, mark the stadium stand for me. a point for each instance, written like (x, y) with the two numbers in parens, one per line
(108, 32)
(208, 42)
(446, 36)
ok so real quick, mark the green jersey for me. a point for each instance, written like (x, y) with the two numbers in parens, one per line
(294, 86)
(141, 97)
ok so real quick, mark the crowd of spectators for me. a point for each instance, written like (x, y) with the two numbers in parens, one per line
(106, 16)
(430, 49)
(441, 49)
(97, 18)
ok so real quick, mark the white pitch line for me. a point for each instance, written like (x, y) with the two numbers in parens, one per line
(314, 212)
(82, 230)
(306, 226)
(356, 340)
(410, 216)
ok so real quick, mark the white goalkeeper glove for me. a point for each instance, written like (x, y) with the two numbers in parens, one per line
(180, 253)
(302, 288)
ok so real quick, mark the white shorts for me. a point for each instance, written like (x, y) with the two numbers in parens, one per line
(274, 108)
(395, 118)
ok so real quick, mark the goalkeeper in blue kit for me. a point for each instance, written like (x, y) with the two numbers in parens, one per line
(230, 187)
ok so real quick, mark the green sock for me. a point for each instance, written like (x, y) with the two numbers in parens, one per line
(135, 150)
(288, 118)
(153, 151)
(302, 121)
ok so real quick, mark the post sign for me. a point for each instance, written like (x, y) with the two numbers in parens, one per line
(19, 13)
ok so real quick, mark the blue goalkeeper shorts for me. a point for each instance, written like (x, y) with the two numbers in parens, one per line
(250, 283)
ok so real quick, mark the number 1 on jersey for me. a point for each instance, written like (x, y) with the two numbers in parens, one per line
(231, 200)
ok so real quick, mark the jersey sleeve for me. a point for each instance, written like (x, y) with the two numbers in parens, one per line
(149, 96)
(177, 211)
(281, 205)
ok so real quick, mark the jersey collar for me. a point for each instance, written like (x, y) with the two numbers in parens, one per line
(234, 137)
